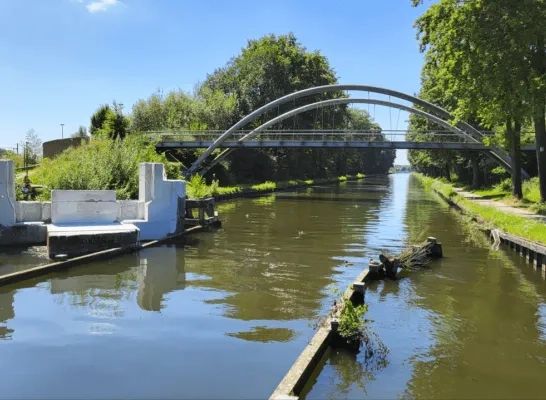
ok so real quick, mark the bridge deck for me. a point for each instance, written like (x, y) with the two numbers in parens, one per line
(327, 144)
(436, 140)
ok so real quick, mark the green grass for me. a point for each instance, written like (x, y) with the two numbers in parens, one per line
(264, 187)
(503, 192)
(197, 187)
(494, 218)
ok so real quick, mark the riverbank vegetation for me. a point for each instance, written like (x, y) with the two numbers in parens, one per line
(198, 187)
(491, 217)
(485, 62)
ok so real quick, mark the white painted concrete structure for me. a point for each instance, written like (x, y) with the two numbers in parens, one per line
(7, 193)
(157, 213)
(161, 199)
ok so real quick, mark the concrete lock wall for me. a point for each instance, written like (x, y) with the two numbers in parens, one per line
(156, 212)
(53, 148)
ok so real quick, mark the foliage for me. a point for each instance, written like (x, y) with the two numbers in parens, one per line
(264, 187)
(352, 321)
(269, 68)
(81, 132)
(98, 118)
(487, 61)
(32, 147)
(102, 164)
(11, 155)
(198, 188)
(109, 122)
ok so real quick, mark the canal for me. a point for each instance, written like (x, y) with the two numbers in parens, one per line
(225, 314)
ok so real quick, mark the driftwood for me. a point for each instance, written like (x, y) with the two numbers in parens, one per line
(414, 258)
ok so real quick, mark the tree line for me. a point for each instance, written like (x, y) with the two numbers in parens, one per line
(266, 69)
(485, 62)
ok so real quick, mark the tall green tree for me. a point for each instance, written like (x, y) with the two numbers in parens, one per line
(269, 68)
(489, 57)
(109, 122)
(98, 118)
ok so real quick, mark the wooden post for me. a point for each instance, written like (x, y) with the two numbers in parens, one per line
(359, 287)
(539, 259)
(201, 215)
(334, 325)
(531, 256)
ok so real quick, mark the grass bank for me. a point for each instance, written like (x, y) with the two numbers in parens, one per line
(503, 192)
(197, 188)
(490, 217)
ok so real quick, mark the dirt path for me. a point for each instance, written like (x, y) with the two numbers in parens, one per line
(501, 206)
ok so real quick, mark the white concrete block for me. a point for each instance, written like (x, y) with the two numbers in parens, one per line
(7, 193)
(84, 213)
(83, 195)
(29, 211)
(130, 209)
(84, 207)
(46, 211)
(76, 229)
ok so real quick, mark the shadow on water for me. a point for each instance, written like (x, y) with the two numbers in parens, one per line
(13, 259)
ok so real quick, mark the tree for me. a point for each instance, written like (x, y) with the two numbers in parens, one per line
(490, 57)
(81, 133)
(269, 68)
(33, 147)
(98, 118)
(109, 122)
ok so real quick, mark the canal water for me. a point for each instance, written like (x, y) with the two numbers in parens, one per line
(225, 314)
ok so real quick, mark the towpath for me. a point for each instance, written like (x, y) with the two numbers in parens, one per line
(521, 212)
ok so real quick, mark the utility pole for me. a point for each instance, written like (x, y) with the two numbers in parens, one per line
(62, 131)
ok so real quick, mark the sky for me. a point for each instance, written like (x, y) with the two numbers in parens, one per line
(61, 59)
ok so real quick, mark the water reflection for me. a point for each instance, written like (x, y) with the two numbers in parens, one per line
(471, 326)
(160, 271)
(102, 290)
(265, 334)
(6, 313)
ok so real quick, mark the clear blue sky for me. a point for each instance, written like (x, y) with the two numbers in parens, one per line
(60, 59)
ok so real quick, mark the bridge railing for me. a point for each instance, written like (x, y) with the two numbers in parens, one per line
(309, 135)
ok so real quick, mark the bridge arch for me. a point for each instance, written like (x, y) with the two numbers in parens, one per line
(332, 102)
(498, 154)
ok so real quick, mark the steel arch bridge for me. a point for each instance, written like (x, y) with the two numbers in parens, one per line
(468, 137)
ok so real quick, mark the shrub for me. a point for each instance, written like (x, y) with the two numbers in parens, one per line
(102, 164)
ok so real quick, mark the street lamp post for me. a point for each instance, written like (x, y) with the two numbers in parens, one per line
(62, 131)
